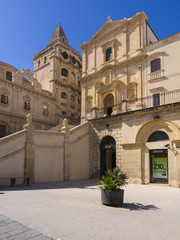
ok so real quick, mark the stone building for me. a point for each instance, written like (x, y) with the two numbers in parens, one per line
(131, 98)
(130, 110)
(50, 94)
(58, 69)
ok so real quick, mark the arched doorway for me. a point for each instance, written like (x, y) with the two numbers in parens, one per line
(158, 157)
(107, 154)
(108, 104)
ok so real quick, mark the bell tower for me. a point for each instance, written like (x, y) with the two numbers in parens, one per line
(58, 69)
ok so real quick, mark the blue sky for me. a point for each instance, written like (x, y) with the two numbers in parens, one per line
(27, 25)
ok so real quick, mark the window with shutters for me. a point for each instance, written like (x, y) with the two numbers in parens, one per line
(155, 65)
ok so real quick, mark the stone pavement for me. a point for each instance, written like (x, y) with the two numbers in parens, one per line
(12, 230)
(73, 211)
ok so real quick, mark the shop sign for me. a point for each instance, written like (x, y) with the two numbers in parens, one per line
(159, 167)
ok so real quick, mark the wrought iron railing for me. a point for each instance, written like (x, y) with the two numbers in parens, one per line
(155, 100)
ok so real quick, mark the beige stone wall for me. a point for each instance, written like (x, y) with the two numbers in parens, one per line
(12, 156)
(46, 156)
(4, 67)
(49, 159)
(168, 50)
(80, 165)
(13, 114)
(131, 134)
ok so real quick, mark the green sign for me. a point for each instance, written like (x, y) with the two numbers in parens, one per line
(159, 166)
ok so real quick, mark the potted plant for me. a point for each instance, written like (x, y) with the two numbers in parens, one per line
(110, 185)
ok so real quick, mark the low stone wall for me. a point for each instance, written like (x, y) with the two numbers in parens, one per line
(49, 156)
(12, 156)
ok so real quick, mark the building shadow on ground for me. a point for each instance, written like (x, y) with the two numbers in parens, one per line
(139, 207)
(90, 184)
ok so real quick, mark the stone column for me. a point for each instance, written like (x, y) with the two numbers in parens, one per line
(29, 150)
(67, 150)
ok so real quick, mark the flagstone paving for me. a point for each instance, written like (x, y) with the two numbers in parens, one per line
(12, 230)
(73, 211)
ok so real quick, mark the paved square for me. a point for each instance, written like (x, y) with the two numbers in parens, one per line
(73, 211)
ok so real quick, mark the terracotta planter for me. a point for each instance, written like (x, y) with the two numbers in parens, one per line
(113, 198)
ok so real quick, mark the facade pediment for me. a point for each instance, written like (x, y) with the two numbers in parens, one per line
(108, 27)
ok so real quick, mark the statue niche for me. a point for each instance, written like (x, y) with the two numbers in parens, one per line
(132, 91)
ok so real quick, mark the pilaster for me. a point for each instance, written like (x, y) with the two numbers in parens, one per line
(67, 150)
(29, 150)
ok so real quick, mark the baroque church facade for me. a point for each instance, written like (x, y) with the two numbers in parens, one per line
(131, 98)
(49, 95)
(130, 108)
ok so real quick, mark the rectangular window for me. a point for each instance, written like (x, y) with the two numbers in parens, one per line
(108, 54)
(155, 65)
(156, 99)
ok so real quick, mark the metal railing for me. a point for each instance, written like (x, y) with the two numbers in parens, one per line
(155, 100)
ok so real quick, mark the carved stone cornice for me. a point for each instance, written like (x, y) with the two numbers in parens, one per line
(104, 88)
(118, 64)
(112, 41)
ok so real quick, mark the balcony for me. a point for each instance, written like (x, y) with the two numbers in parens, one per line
(156, 75)
(155, 100)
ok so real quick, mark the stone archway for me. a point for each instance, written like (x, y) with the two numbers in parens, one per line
(108, 104)
(159, 149)
(157, 125)
(107, 154)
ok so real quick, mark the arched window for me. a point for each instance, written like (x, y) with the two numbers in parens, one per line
(9, 76)
(73, 60)
(65, 55)
(158, 136)
(64, 72)
(39, 63)
(79, 101)
(4, 98)
(72, 98)
(79, 85)
(45, 110)
(64, 95)
(27, 105)
(156, 65)
(108, 54)
(108, 104)
(72, 115)
(63, 113)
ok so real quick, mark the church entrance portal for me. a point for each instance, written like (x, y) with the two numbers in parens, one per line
(107, 154)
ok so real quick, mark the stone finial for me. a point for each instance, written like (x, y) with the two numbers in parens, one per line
(29, 118)
(64, 122)
(109, 20)
(29, 126)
